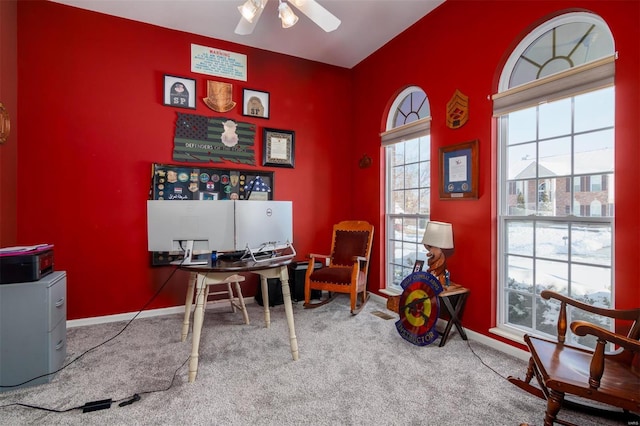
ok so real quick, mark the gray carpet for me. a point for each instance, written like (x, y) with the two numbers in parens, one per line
(353, 370)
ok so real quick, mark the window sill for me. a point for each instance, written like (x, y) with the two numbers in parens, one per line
(509, 333)
(390, 292)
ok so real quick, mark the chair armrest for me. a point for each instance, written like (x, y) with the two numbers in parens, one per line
(623, 314)
(582, 328)
(319, 256)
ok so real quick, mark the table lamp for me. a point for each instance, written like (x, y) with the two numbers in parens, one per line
(438, 236)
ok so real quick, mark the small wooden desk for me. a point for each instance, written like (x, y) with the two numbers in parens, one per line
(269, 269)
(454, 298)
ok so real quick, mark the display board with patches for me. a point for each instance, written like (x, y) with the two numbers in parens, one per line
(419, 308)
(179, 182)
(213, 139)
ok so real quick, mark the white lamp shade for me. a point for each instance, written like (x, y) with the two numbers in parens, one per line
(438, 234)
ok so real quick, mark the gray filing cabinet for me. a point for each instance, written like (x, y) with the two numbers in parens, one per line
(33, 330)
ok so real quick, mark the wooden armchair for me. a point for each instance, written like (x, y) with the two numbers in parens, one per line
(588, 378)
(348, 266)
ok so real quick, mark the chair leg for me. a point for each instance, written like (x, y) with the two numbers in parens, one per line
(355, 310)
(242, 305)
(554, 403)
(230, 291)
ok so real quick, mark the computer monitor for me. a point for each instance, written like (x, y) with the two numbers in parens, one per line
(263, 225)
(190, 227)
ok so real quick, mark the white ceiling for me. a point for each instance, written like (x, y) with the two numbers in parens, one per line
(366, 25)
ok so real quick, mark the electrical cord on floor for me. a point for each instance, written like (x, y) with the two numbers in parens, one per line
(484, 363)
(106, 403)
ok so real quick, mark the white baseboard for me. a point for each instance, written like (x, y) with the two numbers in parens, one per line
(493, 343)
(144, 314)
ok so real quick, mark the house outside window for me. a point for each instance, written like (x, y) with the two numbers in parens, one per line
(407, 153)
(555, 110)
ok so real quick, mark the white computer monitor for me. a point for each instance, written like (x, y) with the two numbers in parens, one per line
(263, 225)
(190, 227)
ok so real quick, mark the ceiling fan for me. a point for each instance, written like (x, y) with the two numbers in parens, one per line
(252, 9)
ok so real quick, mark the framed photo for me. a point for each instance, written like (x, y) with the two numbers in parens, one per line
(459, 171)
(278, 148)
(255, 103)
(417, 267)
(179, 92)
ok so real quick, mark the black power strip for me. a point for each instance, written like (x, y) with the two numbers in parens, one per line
(102, 404)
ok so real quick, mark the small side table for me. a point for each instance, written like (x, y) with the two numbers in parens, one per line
(454, 298)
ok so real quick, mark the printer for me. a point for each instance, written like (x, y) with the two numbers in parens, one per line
(25, 264)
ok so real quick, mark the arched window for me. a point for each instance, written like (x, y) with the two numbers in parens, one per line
(407, 183)
(555, 109)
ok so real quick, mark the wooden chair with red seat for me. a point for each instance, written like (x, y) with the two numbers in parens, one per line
(605, 383)
(348, 266)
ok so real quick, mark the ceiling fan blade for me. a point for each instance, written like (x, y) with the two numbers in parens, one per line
(318, 14)
(245, 27)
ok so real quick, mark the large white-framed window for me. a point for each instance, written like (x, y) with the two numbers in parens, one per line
(555, 109)
(407, 154)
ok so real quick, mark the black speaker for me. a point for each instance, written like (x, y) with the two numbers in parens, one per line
(297, 271)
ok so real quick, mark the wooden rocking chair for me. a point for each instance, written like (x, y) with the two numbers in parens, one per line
(348, 266)
(608, 379)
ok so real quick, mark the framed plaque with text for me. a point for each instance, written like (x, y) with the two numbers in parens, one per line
(459, 171)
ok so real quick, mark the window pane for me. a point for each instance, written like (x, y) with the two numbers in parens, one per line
(425, 174)
(412, 153)
(555, 157)
(520, 238)
(520, 309)
(552, 276)
(523, 201)
(397, 202)
(411, 201)
(591, 244)
(547, 315)
(594, 110)
(425, 148)
(554, 197)
(591, 284)
(593, 152)
(397, 177)
(552, 240)
(425, 205)
(396, 153)
(520, 273)
(412, 175)
(521, 161)
(555, 119)
(521, 126)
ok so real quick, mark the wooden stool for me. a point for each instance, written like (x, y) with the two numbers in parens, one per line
(209, 280)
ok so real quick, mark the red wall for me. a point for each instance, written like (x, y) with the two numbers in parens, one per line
(93, 122)
(462, 45)
(8, 98)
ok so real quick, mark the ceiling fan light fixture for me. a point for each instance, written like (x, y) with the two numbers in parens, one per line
(285, 13)
(250, 9)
